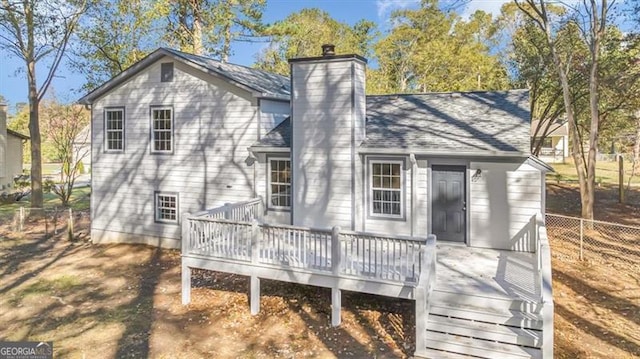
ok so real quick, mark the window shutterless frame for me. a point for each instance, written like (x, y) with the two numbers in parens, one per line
(161, 131)
(114, 119)
(166, 207)
(282, 182)
(386, 188)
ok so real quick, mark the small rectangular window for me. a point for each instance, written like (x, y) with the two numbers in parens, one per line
(166, 72)
(166, 207)
(386, 183)
(114, 130)
(162, 130)
(279, 183)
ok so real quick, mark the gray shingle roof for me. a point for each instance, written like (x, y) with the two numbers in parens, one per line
(279, 136)
(476, 122)
(264, 82)
(463, 121)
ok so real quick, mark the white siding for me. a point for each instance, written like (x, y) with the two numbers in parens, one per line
(327, 103)
(504, 199)
(14, 157)
(214, 123)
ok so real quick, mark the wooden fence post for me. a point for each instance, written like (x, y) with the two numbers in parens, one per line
(621, 178)
(21, 220)
(69, 224)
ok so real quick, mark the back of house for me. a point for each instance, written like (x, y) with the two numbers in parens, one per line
(179, 133)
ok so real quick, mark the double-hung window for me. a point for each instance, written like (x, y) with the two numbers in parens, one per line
(162, 129)
(386, 189)
(114, 129)
(166, 207)
(280, 183)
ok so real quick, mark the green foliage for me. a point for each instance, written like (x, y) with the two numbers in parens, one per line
(430, 49)
(114, 35)
(302, 34)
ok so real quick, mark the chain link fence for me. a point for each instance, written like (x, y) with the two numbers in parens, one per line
(48, 222)
(578, 239)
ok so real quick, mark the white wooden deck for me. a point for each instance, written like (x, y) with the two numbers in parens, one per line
(487, 272)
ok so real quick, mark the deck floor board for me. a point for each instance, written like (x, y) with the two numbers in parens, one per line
(487, 272)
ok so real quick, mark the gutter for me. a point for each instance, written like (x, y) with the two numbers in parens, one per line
(446, 153)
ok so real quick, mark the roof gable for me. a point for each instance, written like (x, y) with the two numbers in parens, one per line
(259, 83)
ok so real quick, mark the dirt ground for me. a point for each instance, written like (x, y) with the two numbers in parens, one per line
(106, 301)
(597, 301)
(124, 301)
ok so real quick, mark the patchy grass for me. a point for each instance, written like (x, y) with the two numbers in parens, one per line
(606, 173)
(79, 202)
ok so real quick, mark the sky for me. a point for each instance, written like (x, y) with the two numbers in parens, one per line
(67, 84)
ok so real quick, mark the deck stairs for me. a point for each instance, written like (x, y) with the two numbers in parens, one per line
(463, 325)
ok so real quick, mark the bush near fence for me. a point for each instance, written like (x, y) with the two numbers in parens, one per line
(578, 239)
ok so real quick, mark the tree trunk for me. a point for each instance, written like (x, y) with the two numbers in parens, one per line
(37, 200)
(636, 145)
(226, 44)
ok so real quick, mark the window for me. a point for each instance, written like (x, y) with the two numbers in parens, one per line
(114, 129)
(547, 142)
(162, 130)
(280, 183)
(166, 72)
(386, 188)
(166, 207)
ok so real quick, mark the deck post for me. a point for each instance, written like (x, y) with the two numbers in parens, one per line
(186, 271)
(254, 295)
(421, 321)
(336, 257)
(336, 305)
(336, 265)
(255, 242)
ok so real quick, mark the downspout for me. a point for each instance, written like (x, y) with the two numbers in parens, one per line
(414, 166)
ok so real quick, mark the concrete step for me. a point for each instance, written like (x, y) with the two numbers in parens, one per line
(508, 317)
(479, 348)
(486, 331)
(485, 302)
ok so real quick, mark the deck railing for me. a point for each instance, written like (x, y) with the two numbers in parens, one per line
(230, 233)
(543, 262)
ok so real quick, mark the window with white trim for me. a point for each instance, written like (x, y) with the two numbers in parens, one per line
(166, 207)
(162, 130)
(279, 183)
(114, 129)
(387, 189)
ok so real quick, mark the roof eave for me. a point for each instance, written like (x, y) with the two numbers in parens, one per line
(17, 134)
(264, 149)
(428, 152)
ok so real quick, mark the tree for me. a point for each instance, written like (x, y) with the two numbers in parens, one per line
(37, 31)
(302, 34)
(66, 124)
(113, 35)
(431, 49)
(593, 30)
(210, 26)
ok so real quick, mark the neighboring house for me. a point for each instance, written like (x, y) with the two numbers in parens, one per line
(82, 148)
(555, 144)
(11, 147)
(178, 134)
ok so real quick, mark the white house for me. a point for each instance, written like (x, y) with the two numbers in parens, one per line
(337, 176)
(82, 148)
(554, 137)
(10, 151)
